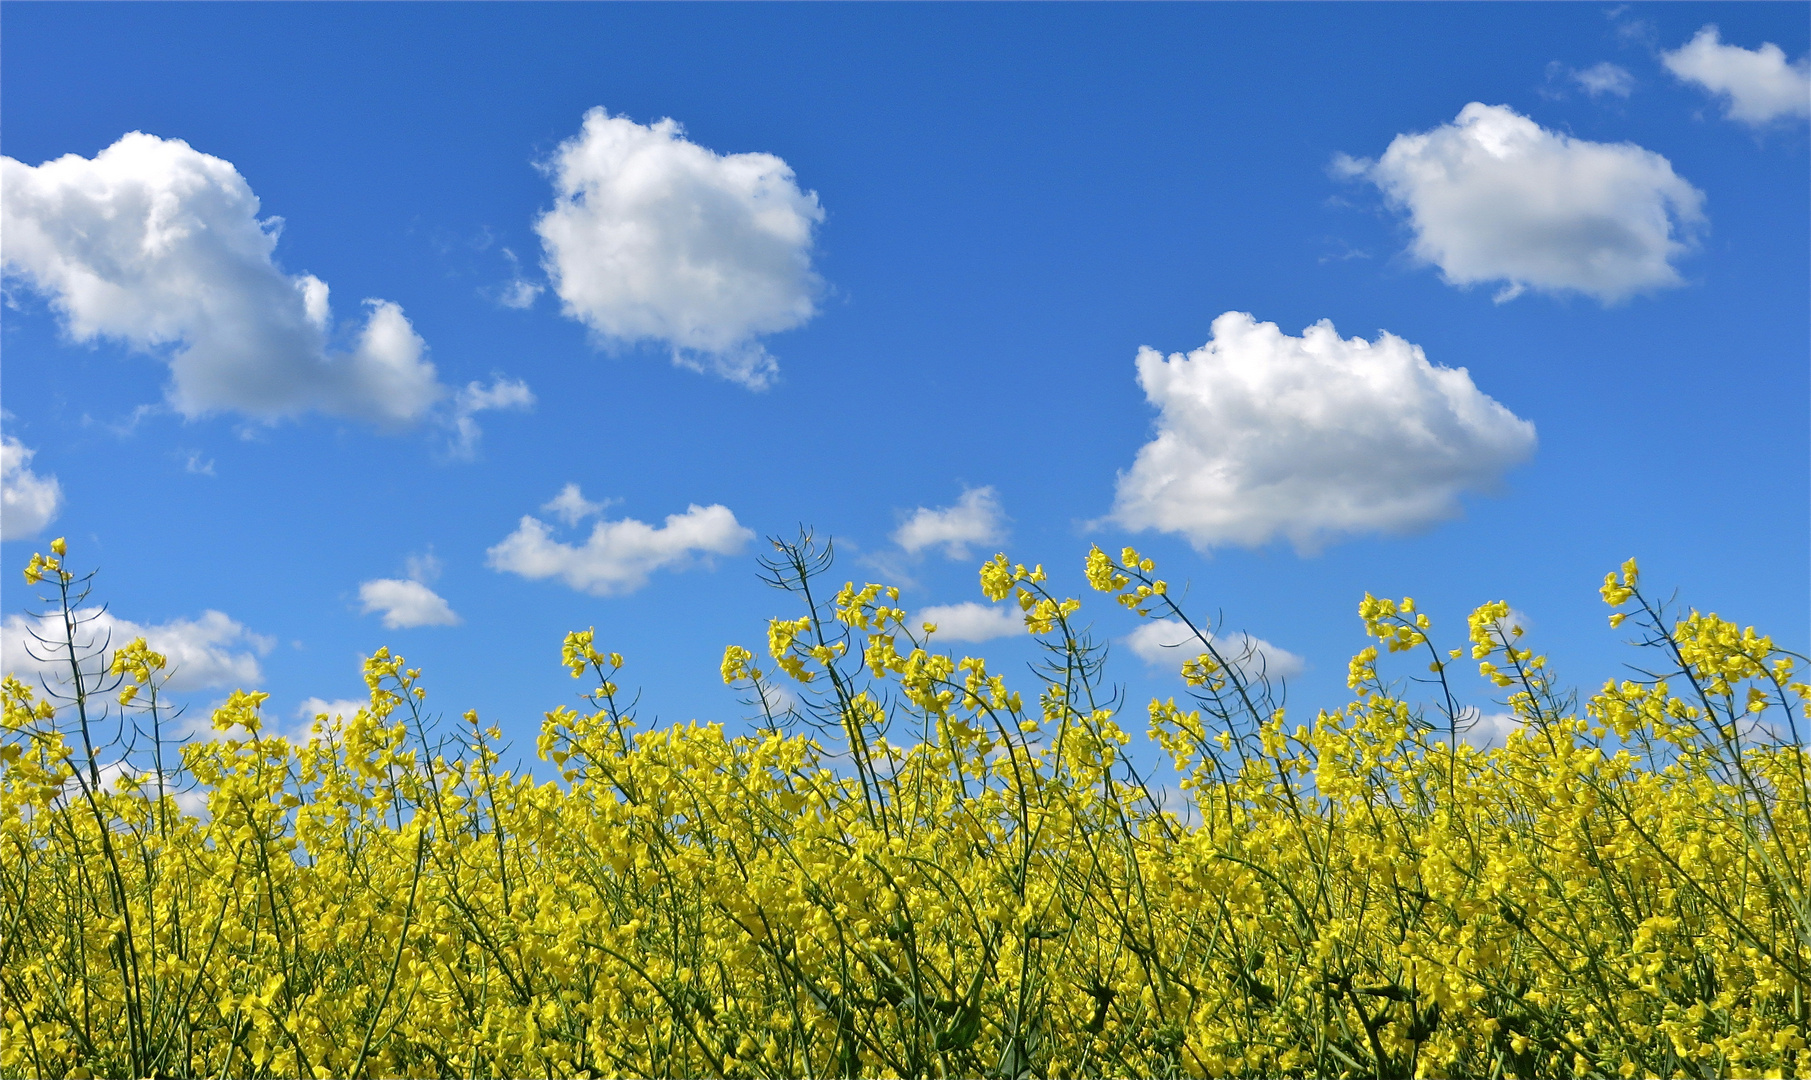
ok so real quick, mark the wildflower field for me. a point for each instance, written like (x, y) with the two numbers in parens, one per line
(913, 866)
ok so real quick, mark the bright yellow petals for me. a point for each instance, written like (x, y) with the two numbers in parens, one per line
(241, 711)
(735, 664)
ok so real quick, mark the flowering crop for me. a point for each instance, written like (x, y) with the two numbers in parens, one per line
(910, 868)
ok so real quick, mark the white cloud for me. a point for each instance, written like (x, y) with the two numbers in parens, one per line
(1163, 642)
(1167, 642)
(28, 502)
(571, 506)
(1517, 619)
(653, 237)
(476, 398)
(193, 462)
(1757, 85)
(159, 246)
(1605, 78)
(424, 568)
(518, 293)
(1481, 730)
(619, 555)
(975, 519)
(1261, 435)
(207, 652)
(405, 604)
(970, 621)
(1494, 197)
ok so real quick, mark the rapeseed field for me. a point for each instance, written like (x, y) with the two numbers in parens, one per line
(912, 867)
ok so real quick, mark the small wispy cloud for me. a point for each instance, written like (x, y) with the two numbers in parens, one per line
(571, 506)
(193, 462)
(511, 394)
(518, 293)
(1605, 78)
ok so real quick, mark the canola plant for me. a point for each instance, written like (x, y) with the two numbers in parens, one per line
(908, 869)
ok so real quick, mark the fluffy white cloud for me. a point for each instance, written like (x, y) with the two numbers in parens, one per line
(212, 651)
(405, 604)
(970, 621)
(1494, 197)
(476, 398)
(1167, 642)
(653, 237)
(28, 502)
(1605, 78)
(619, 555)
(1757, 86)
(159, 246)
(1261, 435)
(975, 519)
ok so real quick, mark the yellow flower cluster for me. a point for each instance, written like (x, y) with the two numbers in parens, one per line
(962, 881)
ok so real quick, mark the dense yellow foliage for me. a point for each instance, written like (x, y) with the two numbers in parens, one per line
(909, 869)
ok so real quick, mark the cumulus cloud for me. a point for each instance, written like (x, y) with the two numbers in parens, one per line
(160, 246)
(211, 651)
(502, 393)
(975, 519)
(654, 238)
(28, 502)
(1167, 642)
(1757, 86)
(405, 604)
(970, 621)
(619, 555)
(408, 603)
(1494, 197)
(1261, 435)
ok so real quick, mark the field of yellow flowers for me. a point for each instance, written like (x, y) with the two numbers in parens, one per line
(909, 869)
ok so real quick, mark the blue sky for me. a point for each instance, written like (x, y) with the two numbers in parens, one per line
(888, 274)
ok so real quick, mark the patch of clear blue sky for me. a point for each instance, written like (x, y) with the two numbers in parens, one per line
(1018, 197)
